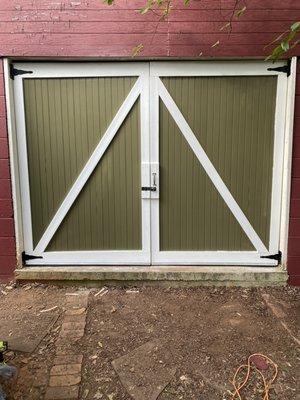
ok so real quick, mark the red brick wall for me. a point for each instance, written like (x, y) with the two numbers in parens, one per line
(88, 28)
(7, 239)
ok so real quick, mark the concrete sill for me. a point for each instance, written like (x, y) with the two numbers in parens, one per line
(167, 275)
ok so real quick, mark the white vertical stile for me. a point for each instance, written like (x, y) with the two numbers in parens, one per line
(287, 164)
(145, 162)
(23, 163)
(279, 127)
(154, 129)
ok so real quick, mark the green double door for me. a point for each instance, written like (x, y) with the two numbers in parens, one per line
(150, 163)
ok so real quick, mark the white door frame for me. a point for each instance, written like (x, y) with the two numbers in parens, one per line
(157, 69)
(140, 88)
(158, 91)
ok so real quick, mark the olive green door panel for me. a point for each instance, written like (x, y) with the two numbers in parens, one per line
(193, 215)
(65, 120)
(107, 213)
(233, 120)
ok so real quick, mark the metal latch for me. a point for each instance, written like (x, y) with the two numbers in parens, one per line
(149, 188)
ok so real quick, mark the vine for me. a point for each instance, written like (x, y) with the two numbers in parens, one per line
(286, 41)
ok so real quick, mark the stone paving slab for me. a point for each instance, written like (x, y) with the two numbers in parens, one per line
(146, 371)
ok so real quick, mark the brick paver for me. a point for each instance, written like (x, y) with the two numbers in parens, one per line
(62, 393)
(65, 369)
(68, 359)
(75, 318)
(64, 380)
(65, 374)
(73, 325)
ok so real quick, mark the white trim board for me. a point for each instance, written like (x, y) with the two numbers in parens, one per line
(82, 70)
(14, 162)
(141, 258)
(128, 257)
(213, 68)
(287, 162)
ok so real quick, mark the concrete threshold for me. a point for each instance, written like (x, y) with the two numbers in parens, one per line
(163, 275)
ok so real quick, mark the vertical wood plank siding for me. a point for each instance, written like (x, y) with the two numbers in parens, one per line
(65, 120)
(193, 216)
(107, 213)
(88, 28)
(233, 119)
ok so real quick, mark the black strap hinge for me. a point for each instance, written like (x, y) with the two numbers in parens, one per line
(27, 257)
(276, 257)
(14, 72)
(286, 69)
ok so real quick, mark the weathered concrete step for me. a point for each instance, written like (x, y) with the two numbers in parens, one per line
(168, 275)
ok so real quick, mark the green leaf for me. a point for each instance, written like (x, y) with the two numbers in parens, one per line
(216, 44)
(137, 49)
(147, 7)
(276, 53)
(240, 12)
(295, 26)
(227, 25)
(285, 45)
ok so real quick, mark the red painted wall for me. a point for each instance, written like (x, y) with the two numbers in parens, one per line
(89, 28)
(294, 231)
(7, 235)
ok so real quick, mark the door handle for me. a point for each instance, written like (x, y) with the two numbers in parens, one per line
(154, 179)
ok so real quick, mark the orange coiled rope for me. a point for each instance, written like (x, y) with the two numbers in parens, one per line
(249, 367)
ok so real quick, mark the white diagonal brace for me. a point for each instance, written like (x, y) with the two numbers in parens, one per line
(89, 167)
(210, 169)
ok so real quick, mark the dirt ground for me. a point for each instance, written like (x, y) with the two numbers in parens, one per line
(32, 333)
(202, 336)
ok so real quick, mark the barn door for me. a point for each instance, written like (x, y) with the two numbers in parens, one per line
(182, 165)
(84, 156)
(217, 150)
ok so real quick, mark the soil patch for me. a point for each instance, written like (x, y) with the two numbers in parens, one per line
(183, 343)
(30, 321)
(209, 332)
